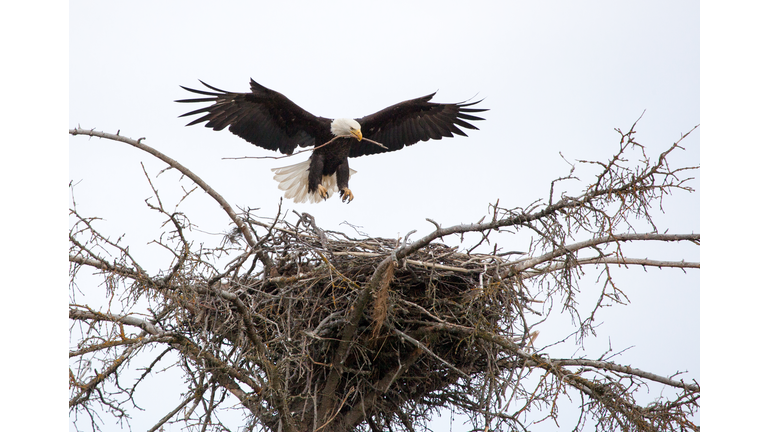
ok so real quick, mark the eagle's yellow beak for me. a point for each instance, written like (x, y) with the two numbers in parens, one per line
(357, 134)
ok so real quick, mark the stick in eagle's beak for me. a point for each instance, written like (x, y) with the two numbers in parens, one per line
(357, 134)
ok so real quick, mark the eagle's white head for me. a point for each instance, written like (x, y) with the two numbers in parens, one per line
(346, 126)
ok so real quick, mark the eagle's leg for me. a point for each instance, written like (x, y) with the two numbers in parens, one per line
(342, 181)
(315, 177)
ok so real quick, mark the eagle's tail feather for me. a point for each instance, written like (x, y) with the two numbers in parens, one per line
(294, 180)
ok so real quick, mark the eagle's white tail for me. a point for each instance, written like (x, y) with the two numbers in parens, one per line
(294, 180)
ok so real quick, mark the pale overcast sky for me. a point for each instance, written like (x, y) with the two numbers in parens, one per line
(558, 77)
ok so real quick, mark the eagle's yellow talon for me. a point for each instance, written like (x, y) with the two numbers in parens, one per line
(323, 192)
(346, 195)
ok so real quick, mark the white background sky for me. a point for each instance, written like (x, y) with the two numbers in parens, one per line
(556, 76)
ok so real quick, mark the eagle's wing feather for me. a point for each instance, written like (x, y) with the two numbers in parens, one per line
(415, 120)
(263, 117)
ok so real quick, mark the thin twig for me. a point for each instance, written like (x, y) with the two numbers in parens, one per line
(309, 149)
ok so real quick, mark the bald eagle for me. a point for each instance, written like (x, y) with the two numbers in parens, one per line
(270, 120)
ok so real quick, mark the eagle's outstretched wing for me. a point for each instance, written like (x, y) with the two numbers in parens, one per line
(412, 121)
(263, 117)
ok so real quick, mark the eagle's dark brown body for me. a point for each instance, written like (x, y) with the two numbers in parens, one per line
(328, 160)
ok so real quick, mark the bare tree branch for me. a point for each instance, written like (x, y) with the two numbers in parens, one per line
(173, 163)
(625, 369)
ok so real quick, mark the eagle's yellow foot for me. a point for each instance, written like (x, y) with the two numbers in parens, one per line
(346, 195)
(323, 192)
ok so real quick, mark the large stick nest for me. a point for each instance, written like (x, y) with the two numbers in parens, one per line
(416, 336)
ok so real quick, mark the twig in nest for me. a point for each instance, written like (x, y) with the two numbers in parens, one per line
(341, 405)
(424, 348)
